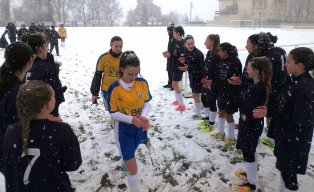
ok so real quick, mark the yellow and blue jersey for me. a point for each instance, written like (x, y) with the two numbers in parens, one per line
(129, 102)
(109, 65)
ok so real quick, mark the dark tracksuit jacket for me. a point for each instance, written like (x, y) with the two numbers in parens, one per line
(195, 62)
(225, 70)
(294, 124)
(250, 129)
(170, 50)
(178, 50)
(54, 150)
(8, 111)
(280, 80)
(20, 33)
(48, 73)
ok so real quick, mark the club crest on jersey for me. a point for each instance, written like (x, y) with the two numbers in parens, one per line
(139, 93)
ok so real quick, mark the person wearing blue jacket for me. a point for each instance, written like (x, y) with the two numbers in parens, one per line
(10, 29)
(177, 60)
(166, 54)
(208, 95)
(21, 31)
(38, 152)
(18, 60)
(293, 118)
(44, 71)
(194, 63)
(53, 36)
(250, 129)
(227, 93)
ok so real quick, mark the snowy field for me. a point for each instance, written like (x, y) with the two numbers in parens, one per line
(182, 159)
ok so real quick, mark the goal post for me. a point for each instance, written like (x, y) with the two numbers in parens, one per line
(241, 23)
(185, 85)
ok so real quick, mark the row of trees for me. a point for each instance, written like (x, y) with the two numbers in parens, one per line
(301, 11)
(88, 12)
(85, 11)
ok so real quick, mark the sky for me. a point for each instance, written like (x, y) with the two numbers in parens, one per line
(181, 158)
(205, 9)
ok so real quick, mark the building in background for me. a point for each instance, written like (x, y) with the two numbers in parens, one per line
(264, 12)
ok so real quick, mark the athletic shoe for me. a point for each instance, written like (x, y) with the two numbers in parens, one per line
(180, 108)
(175, 103)
(246, 187)
(218, 136)
(229, 142)
(207, 129)
(241, 175)
(202, 124)
(196, 117)
(267, 142)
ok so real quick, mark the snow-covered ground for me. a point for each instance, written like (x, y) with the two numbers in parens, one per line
(181, 157)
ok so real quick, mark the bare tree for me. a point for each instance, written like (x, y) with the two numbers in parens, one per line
(172, 17)
(61, 9)
(147, 12)
(113, 12)
(131, 18)
(308, 9)
(5, 14)
(79, 9)
(95, 9)
(34, 10)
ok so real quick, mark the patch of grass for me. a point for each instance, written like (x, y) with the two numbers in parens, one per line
(170, 179)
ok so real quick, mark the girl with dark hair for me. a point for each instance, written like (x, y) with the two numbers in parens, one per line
(293, 119)
(38, 152)
(44, 71)
(227, 93)
(209, 89)
(167, 55)
(194, 63)
(178, 60)
(250, 129)
(107, 70)
(129, 106)
(257, 45)
(18, 60)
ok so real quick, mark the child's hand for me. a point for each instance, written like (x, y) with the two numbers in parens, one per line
(184, 67)
(136, 120)
(235, 80)
(166, 54)
(260, 112)
(206, 82)
(58, 63)
(181, 60)
(145, 123)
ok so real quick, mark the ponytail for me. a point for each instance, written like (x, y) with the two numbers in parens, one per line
(31, 98)
(264, 67)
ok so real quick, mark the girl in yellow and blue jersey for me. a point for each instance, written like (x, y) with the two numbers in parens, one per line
(128, 105)
(107, 70)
